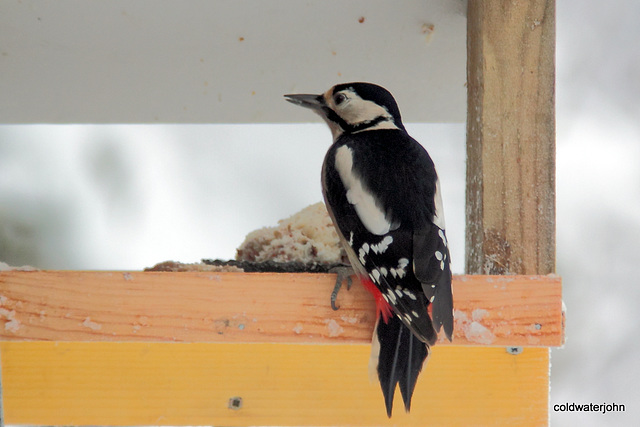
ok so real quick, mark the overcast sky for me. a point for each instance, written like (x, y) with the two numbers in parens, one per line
(126, 197)
(598, 201)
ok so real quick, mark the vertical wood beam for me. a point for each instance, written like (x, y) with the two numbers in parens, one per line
(511, 137)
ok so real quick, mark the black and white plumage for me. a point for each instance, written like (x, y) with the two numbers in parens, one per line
(383, 195)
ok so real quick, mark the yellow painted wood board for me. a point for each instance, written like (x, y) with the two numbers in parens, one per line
(48, 383)
(257, 307)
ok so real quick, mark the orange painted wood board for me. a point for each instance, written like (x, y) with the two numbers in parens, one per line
(257, 308)
(65, 383)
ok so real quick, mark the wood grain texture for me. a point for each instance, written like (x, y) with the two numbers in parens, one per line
(190, 384)
(256, 307)
(511, 137)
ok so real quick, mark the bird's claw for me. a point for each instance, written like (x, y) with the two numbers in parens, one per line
(343, 273)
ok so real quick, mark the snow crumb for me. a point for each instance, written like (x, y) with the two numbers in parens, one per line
(88, 323)
(460, 316)
(6, 267)
(298, 328)
(12, 324)
(308, 237)
(473, 330)
(478, 333)
(352, 320)
(478, 314)
(335, 330)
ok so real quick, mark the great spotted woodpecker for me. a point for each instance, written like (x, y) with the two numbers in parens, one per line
(382, 193)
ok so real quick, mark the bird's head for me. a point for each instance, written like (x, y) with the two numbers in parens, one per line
(353, 107)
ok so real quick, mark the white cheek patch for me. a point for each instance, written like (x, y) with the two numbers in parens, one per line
(356, 110)
(359, 111)
(362, 200)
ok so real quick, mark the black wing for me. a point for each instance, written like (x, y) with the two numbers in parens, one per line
(385, 163)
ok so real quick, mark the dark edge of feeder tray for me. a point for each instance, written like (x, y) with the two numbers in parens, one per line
(273, 266)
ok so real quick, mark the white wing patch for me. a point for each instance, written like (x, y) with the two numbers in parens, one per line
(380, 248)
(401, 270)
(362, 200)
(438, 218)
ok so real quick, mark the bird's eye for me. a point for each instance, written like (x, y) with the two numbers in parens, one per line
(339, 98)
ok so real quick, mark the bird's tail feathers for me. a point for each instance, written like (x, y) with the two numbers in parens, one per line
(400, 356)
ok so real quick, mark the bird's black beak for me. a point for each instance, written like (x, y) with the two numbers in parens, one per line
(315, 102)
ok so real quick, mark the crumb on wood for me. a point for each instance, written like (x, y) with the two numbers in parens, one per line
(88, 323)
(307, 241)
(307, 236)
(6, 267)
(176, 266)
(473, 329)
(335, 330)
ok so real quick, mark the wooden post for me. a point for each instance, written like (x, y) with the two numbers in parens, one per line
(510, 137)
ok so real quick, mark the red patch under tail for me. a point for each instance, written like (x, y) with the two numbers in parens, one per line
(382, 306)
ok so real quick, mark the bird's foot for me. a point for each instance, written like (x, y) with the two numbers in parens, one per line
(344, 273)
